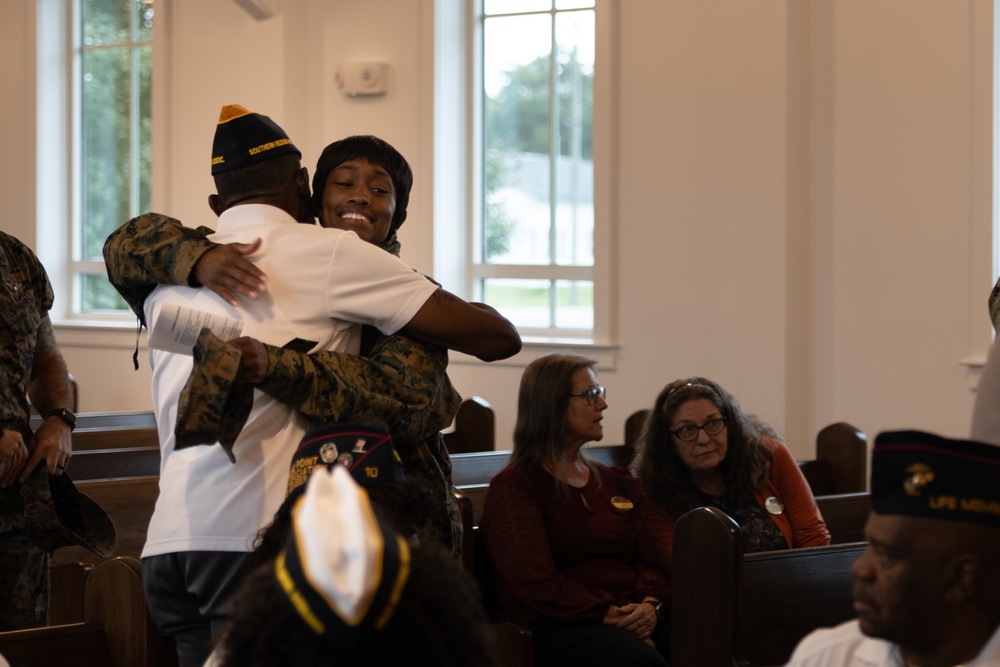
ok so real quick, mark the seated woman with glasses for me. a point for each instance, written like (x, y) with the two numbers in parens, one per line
(567, 550)
(698, 448)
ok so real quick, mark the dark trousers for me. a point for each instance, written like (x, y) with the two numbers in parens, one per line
(24, 583)
(592, 643)
(190, 595)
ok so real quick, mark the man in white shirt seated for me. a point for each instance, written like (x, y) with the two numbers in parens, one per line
(927, 590)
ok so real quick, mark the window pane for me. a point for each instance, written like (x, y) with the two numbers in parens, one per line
(526, 303)
(144, 21)
(575, 165)
(145, 129)
(98, 294)
(517, 138)
(106, 146)
(515, 6)
(106, 22)
(574, 4)
(115, 115)
(574, 304)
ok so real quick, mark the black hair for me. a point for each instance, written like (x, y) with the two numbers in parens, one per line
(376, 152)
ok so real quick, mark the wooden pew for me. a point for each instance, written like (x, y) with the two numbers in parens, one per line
(845, 515)
(67, 585)
(116, 630)
(116, 461)
(474, 429)
(750, 610)
(841, 464)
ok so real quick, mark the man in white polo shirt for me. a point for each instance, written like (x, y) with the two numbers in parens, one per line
(322, 285)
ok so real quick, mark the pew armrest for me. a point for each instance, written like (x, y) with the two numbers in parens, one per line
(707, 579)
(845, 448)
(474, 429)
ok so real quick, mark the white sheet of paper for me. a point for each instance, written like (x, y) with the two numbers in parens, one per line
(177, 328)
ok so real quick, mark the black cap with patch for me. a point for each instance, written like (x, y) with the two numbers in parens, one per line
(243, 138)
(364, 449)
(921, 474)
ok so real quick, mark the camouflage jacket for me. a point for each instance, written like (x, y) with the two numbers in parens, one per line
(25, 302)
(400, 381)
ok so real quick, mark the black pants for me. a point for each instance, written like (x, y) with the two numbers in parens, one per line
(190, 595)
(586, 643)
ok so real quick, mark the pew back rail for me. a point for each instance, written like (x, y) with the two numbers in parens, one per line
(750, 610)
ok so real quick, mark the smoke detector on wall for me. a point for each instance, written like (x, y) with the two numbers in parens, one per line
(357, 79)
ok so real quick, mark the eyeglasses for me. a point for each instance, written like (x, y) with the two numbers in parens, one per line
(711, 427)
(591, 394)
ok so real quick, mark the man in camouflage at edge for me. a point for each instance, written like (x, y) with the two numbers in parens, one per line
(30, 364)
(398, 380)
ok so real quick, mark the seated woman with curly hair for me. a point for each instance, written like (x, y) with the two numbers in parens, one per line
(698, 448)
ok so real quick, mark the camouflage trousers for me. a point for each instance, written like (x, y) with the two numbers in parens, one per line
(24, 583)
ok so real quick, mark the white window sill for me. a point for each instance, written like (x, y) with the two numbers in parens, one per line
(532, 349)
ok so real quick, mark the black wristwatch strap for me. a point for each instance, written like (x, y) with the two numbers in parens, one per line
(64, 415)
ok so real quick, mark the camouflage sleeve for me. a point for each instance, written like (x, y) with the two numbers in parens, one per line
(402, 382)
(149, 250)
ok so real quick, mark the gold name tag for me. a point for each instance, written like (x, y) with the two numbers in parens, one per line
(622, 503)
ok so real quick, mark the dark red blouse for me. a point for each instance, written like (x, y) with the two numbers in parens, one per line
(570, 555)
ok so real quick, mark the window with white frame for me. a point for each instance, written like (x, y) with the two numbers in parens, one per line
(533, 239)
(112, 123)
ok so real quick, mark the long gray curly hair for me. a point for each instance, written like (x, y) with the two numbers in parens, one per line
(665, 477)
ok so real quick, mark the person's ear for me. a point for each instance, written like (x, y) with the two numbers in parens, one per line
(961, 578)
(215, 204)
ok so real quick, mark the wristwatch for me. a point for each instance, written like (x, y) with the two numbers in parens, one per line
(64, 415)
(657, 605)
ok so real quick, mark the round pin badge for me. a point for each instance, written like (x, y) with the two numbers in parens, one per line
(328, 453)
(622, 503)
(774, 506)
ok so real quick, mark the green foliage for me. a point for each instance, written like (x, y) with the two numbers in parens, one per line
(518, 117)
(517, 121)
